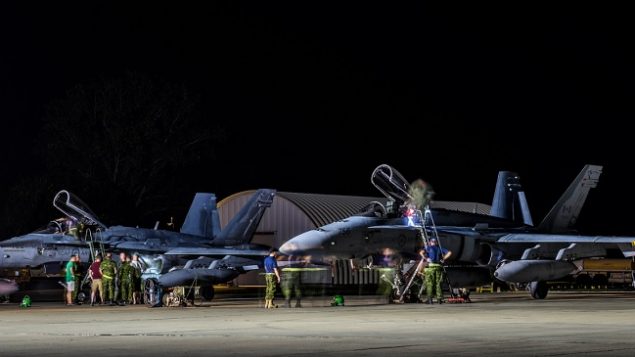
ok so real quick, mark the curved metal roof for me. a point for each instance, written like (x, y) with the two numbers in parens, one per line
(324, 209)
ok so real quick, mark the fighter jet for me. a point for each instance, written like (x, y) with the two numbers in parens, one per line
(226, 253)
(47, 249)
(504, 244)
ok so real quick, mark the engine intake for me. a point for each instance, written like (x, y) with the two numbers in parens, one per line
(489, 256)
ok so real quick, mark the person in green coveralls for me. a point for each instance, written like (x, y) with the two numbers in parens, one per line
(108, 273)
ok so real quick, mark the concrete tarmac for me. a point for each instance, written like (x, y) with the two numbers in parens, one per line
(565, 324)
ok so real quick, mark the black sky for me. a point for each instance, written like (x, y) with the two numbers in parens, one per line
(450, 95)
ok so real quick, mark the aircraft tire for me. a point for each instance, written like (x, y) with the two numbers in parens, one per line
(600, 280)
(83, 297)
(206, 292)
(583, 281)
(538, 289)
(152, 293)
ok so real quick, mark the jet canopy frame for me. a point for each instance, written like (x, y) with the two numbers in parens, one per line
(74, 208)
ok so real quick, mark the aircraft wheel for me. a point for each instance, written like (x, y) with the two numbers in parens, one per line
(206, 292)
(600, 280)
(152, 293)
(538, 289)
(82, 297)
(583, 281)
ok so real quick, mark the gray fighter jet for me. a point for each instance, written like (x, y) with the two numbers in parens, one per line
(46, 249)
(203, 252)
(504, 244)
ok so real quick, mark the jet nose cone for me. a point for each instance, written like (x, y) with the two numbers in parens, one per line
(289, 248)
(306, 243)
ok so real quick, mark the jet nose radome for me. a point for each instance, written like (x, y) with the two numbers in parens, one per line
(304, 244)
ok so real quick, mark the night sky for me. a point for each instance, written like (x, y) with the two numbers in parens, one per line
(311, 97)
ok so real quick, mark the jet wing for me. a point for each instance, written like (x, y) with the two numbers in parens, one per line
(625, 244)
(394, 228)
(141, 247)
(463, 231)
(563, 238)
(218, 252)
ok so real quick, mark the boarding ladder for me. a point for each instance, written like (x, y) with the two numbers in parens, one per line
(425, 223)
(96, 246)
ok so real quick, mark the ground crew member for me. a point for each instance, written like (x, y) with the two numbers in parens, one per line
(71, 271)
(291, 285)
(139, 267)
(108, 273)
(78, 279)
(96, 283)
(126, 277)
(122, 259)
(434, 256)
(272, 276)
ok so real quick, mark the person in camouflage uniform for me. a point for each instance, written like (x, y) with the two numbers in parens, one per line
(108, 272)
(126, 278)
(78, 279)
(122, 260)
(272, 276)
(291, 282)
(139, 267)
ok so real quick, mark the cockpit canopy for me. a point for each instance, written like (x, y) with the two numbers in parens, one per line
(71, 206)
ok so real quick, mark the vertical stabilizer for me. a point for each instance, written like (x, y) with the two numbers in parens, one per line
(509, 200)
(564, 214)
(241, 228)
(202, 219)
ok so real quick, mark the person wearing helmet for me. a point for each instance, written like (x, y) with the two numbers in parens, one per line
(434, 256)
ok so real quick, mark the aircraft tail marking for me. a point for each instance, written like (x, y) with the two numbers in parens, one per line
(564, 214)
